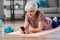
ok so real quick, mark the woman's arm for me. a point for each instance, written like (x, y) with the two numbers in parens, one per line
(40, 27)
(26, 25)
(27, 31)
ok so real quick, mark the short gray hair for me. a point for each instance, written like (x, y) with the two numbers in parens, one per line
(31, 6)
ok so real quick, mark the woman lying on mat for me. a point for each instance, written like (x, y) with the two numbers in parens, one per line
(37, 19)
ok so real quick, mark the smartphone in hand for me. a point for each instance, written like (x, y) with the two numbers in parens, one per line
(22, 28)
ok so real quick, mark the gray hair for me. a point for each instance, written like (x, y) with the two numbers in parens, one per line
(31, 6)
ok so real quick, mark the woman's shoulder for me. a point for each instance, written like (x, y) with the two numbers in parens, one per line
(40, 12)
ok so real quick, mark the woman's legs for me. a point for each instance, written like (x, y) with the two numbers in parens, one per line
(54, 24)
(58, 22)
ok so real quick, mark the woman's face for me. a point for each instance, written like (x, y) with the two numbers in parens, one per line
(31, 13)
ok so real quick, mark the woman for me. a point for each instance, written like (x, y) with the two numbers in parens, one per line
(36, 19)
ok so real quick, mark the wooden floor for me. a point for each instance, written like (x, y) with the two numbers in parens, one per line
(17, 24)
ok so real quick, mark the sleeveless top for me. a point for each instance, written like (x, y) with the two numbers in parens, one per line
(39, 16)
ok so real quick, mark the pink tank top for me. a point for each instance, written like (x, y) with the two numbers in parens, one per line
(39, 16)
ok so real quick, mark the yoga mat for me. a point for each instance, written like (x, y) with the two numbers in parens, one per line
(35, 34)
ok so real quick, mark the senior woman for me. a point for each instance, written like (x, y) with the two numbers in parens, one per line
(36, 19)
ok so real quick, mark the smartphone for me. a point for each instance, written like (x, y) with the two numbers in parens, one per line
(22, 28)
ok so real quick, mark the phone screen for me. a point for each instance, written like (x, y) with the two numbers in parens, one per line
(22, 28)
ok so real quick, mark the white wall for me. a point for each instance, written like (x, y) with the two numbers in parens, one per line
(17, 12)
